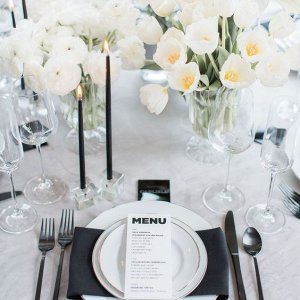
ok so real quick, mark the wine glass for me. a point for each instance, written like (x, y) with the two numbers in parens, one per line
(276, 156)
(19, 217)
(37, 122)
(231, 130)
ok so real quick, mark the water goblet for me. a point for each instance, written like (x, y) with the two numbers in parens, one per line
(231, 130)
(276, 156)
(20, 217)
(37, 121)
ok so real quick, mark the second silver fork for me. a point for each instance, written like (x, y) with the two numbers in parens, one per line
(46, 243)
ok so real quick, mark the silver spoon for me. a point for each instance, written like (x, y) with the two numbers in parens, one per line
(252, 244)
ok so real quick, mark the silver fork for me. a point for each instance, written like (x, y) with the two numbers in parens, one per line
(46, 243)
(65, 237)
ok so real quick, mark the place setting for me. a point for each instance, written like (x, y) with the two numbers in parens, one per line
(120, 200)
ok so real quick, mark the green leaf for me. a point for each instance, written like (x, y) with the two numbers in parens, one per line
(204, 79)
(151, 65)
(215, 86)
(222, 56)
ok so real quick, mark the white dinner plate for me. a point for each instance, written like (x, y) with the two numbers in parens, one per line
(109, 217)
(189, 259)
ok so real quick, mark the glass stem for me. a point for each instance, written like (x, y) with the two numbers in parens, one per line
(39, 149)
(271, 188)
(12, 188)
(227, 173)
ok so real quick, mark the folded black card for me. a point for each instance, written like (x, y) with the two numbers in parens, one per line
(82, 280)
(154, 190)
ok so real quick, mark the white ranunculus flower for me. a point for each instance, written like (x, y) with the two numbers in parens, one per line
(185, 16)
(281, 25)
(132, 53)
(273, 70)
(95, 66)
(62, 75)
(34, 75)
(292, 6)
(149, 30)
(46, 23)
(170, 53)
(163, 8)
(225, 8)
(173, 33)
(155, 97)
(254, 44)
(246, 13)
(203, 36)
(71, 47)
(236, 72)
(184, 78)
(293, 56)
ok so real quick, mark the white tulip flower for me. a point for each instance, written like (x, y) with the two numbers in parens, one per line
(236, 72)
(225, 8)
(155, 97)
(203, 36)
(281, 25)
(246, 13)
(62, 75)
(170, 53)
(95, 66)
(293, 56)
(292, 6)
(163, 8)
(71, 47)
(254, 44)
(273, 70)
(132, 53)
(34, 75)
(184, 78)
(149, 30)
(185, 16)
(173, 33)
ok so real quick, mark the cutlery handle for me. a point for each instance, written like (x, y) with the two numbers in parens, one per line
(58, 275)
(239, 278)
(260, 291)
(40, 278)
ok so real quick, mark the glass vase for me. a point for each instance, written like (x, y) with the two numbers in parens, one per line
(93, 117)
(199, 148)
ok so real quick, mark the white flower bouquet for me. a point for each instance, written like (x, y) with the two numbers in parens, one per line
(218, 43)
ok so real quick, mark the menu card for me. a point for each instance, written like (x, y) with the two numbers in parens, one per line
(148, 272)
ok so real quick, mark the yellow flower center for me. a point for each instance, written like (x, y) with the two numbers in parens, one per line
(187, 81)
(232, 76)
(252, 49)
(206, 38)
(173, 57)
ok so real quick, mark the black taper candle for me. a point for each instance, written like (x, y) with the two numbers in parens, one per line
(13, 19)
(108, 118)
(24, 9)
(81, 139)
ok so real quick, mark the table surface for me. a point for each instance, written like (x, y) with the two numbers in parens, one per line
(147, 146)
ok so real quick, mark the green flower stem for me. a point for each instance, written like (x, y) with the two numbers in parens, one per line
(213, 64)
(224, 32)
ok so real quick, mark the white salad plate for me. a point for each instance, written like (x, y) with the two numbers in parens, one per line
(189, 259)
(112, 216)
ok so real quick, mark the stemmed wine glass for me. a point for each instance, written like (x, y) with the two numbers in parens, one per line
(231, 130)
(37, 122)
(276, 156)
(19, 217)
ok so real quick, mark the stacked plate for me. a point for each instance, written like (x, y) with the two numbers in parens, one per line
(189, 257)
(291, 199)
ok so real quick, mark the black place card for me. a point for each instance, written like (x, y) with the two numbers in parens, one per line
(154, 189)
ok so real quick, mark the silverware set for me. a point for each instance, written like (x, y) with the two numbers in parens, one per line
(252, 244)
(291, 199)
(47, 243)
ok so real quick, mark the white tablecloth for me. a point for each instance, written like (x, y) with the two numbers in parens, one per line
(146, 146)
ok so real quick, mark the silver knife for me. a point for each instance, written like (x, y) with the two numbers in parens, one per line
(7, 195)
(234, 251)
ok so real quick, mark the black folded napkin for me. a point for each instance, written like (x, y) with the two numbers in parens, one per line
(82, 280)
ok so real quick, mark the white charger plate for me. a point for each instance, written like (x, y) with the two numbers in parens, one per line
(109, 217)
(189, 259)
